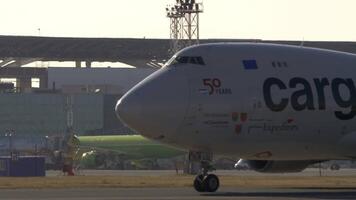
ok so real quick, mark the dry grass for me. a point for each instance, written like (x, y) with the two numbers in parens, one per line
(176, 181)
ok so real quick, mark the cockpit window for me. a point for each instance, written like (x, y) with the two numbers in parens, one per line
(182, 59)
(200, 60)
(193, 60)
(197, 60)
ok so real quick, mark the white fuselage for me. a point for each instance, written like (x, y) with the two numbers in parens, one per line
(253, 101)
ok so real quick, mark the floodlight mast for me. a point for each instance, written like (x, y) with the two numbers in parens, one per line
(175, 27)
(184, 23)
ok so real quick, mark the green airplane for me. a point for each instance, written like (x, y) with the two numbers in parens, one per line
(133, 147)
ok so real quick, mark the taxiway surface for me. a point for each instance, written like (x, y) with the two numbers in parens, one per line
(181, 193)
(172, 194)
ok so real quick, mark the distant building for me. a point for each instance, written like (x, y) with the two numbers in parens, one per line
(42, 111)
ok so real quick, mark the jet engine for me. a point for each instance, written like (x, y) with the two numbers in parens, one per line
(271, 166)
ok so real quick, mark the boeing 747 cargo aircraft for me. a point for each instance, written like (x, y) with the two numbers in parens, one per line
(279, 108)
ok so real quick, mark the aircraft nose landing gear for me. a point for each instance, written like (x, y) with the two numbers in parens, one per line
(205, 182)
(209, 183)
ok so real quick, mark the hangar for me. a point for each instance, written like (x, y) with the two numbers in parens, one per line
(17, 51)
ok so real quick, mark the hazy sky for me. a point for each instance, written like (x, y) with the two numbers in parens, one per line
(253, 19)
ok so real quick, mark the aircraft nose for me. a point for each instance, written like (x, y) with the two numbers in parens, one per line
(156, 106)
(128, 109)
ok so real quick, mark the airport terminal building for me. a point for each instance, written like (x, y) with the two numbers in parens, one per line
(89, 93)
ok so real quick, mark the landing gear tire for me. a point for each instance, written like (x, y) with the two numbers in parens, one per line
(204, 182)
(209, 183)
(199, 184)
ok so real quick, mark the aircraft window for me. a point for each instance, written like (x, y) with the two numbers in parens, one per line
(200, 60)
(170, 61)
(197, 60)
(178, 60)
(182, 59)
(279, 64)
(193, 60)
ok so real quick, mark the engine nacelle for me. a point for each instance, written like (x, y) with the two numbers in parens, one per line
(270, 166)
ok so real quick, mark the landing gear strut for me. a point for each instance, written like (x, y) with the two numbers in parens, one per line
(205, 182)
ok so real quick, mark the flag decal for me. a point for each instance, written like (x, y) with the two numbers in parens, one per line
(249, 64)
